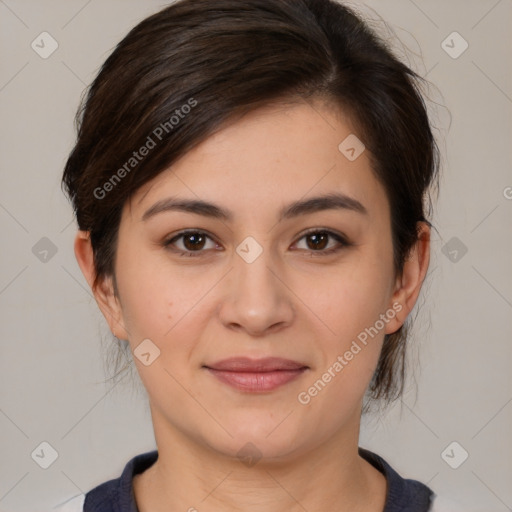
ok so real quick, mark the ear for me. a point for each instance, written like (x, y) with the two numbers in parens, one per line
(408, 284)
(103, 291)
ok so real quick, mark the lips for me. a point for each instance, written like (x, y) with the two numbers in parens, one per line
(256, 375)
(245, 364)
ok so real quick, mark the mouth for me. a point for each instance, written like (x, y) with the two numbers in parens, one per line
(256, 375)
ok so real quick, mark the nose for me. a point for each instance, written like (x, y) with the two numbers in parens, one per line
(256, 299)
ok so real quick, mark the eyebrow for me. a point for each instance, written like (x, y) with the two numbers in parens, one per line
(302, 207)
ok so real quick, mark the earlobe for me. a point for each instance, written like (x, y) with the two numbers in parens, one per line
(408, 284)
(103, 290)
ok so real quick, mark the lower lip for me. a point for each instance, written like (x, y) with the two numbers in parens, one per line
(255, 382)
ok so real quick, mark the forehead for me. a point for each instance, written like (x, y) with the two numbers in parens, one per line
(268, 157)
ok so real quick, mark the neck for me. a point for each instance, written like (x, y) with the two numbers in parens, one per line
(191, 477)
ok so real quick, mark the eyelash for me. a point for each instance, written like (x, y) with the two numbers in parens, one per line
(194, 254)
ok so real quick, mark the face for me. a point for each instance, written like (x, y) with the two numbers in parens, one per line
(264, 273)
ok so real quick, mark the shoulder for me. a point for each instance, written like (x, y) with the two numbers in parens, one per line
(114, 494)
(403, 494)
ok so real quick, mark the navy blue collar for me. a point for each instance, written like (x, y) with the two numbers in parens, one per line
(403, 495)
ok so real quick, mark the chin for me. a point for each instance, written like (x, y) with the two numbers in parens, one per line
(257, 441)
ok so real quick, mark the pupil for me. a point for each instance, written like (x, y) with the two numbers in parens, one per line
(317, 242)
(196, 239)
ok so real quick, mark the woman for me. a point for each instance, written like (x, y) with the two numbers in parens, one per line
(249, 181)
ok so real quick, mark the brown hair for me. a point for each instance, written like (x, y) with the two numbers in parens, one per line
(182, 73)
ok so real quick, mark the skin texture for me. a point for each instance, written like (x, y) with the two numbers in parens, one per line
(290, 302)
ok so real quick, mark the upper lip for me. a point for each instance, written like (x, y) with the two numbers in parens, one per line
(246, 364)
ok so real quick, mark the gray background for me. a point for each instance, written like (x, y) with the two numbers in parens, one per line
(52, 357)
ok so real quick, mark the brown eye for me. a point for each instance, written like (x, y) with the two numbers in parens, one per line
(187, 243)
(193, 241)
(318, 240)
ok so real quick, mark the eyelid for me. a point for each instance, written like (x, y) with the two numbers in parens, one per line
(341, 239)
(344, 239)
(170, 240)
(191, 230)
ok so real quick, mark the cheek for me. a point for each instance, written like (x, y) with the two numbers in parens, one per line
(162, 303)
(354, 298)
(351, 308)
(354, 295)
(148, 302)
